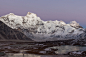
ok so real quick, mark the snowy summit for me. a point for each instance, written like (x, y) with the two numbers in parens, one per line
(37, 29)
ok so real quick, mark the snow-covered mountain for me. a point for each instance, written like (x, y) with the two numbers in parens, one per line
(39, 30)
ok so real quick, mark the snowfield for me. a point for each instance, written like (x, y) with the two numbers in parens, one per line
(39, 30)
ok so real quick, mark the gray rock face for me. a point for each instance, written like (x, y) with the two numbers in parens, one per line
(6, 33)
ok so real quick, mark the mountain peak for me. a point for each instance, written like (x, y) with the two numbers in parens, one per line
(31, 25)
(31, 15)
(11, 14)
(74, 23)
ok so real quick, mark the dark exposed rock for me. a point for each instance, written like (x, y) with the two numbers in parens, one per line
(2, 54)
(84, 53)
(6, 33)
(77, 53)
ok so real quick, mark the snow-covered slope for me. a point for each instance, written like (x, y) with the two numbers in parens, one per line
(37, 29)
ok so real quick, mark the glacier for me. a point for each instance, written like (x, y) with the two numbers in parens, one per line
(33, 27)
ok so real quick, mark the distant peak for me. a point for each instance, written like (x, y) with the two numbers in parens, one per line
(28, 13)
(74, 23)
(11, 14)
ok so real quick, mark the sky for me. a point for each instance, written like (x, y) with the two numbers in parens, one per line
(65, 10)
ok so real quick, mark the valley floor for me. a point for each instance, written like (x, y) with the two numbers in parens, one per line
(37, 48)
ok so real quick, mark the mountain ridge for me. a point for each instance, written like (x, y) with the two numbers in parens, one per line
(38, 30)
(8, 34)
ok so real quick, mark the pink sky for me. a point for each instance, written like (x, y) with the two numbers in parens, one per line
(66, 10)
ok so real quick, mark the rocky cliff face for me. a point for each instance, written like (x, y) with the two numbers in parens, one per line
(9, 34)
(35, 28)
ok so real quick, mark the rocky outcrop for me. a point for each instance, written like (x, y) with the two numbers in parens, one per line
(77, 53)
(7, 33)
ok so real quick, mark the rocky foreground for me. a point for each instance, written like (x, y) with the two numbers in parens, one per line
(40, 48)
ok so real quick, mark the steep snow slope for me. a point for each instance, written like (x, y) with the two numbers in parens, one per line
(37, 29)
